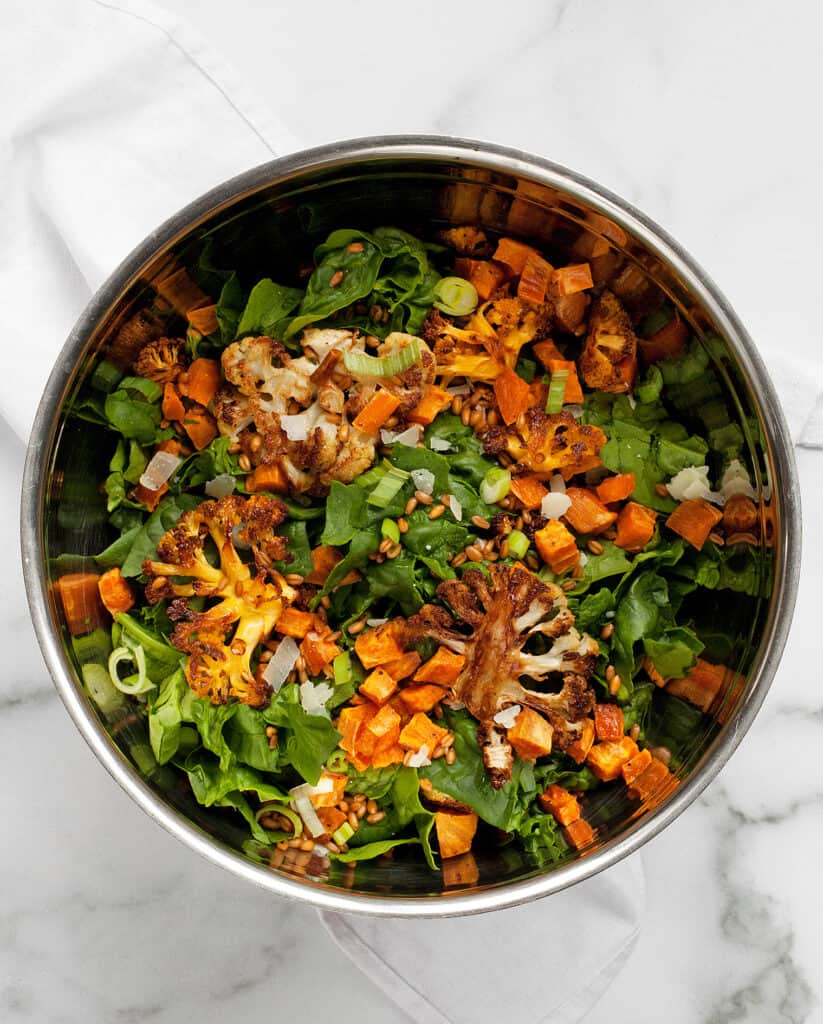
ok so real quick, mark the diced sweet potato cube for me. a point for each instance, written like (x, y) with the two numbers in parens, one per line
(384, 722)
(460, 871)
(421, 732)
(378, 686)
(531, 735)
(403, 667)
(579, 833)
(318, 652)
(335, 794)
(694, 520)
(557, 546)
(331, 818)
(293, 622)
(652, 673)
(606, 759)
(378, 646)
(560, 803)
(385, 755)
(636, 766)
(455, 832)
(608, 721)
(616, 488)
(422, 698)
(579, 749)
(635, 526)
(443, 668)
(351, 723)
(587, 513)
(650, 782)
(324, 559)
(701, 685)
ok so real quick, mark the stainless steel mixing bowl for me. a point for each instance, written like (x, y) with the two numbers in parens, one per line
(262, 222)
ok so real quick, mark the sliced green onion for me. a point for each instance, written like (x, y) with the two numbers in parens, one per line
(101, 689)
(361, 365)
(342, 669)
(518, 543)
(388, 487)
(456, 296)
(343, 834)
(557, 391)
(273, 807)
(390, 529)
(495, 486)
(373, 476)
(106, 376)
(337, 763)
(137, 655)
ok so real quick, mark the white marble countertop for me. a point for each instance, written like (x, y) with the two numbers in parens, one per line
(701, 115)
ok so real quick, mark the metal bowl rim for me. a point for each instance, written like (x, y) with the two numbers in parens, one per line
(495, 158)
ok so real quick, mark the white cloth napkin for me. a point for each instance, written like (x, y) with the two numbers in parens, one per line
(114, 115)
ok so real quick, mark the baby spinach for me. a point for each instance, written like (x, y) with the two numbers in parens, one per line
(309, 739)
(268, 308)
(133, 410)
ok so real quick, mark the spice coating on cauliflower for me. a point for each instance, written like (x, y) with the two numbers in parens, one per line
(545, 444)
(251, 595)
(505, 610)
(609, 357)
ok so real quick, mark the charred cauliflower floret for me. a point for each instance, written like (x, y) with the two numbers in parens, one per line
(504, 611)
(251, 597)
(162, 360)
(466, 240)
(262, 370)
(500, 328)
(608, 361)
(545, 444)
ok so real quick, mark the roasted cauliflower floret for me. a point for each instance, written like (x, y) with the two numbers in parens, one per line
(608, 361)
(500, 328)
(504, 611)
(329, 451)
(466, 240)
(251, 597)
(545, 444)
(262, 370)
(162, 360)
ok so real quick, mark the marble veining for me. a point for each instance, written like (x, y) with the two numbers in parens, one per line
(697, 114)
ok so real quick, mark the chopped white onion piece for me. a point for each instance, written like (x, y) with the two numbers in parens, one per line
(456, 508)
(575, 410)
(420, 759)
(691, 484)
(160, 468)
(408, 437)
(296, 427)
(582, 559)
(304, 789)
(282, 663)
(319, 850)
(557, 485)
(439, 444)
(508, 716)
(460, 389)
(313, 697)
(221, 486)
(454, 705)
(736, 480)
(555, 505)
(303, 806)
(631, 400)
(423, 480)
(375, 622)
(609, 615)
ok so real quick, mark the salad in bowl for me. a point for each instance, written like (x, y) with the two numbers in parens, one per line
(418, 553)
